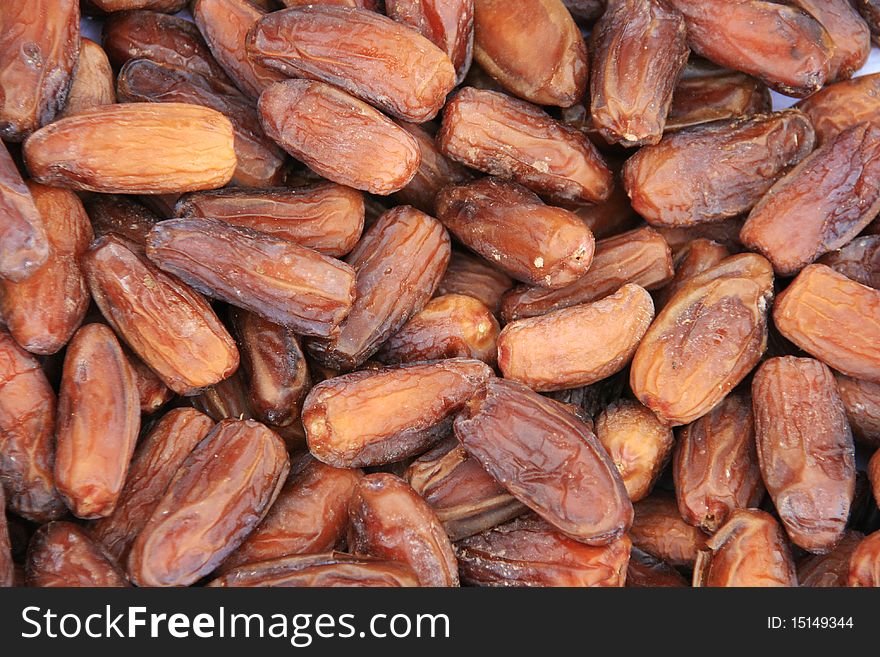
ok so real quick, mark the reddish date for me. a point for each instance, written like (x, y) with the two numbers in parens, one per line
(24, 245)
(62, 554)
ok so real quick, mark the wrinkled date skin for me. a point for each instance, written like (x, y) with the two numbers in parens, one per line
(338, 136)
(135, 148)
(641, 257)
(39, 48)
(870, 11)
(260, 160)
(274, 365)
(832, 569)
(388, 520)
(862, 402)
(508, 137)
(170, 327)
(850, 36)
(705, 341)
(844, 105)
(474, 277)
(447, 24)
(7, 567)
(42, 311)
(505, 34)
(154, 465)
(377, 417)
(93, 82)
(24, 245)
(62, 554)
(225, 400)
(748, 550)
(659, 530)
(27, 435)
(638, 444)
(465, 497)
(329, 569)
(121, 216)
(612, 216)
(99, 417)
(576, 346)
(366, 54)
(805, 449)
(513, 229)
(449, 326)
(639, 51)
(548, 459)
(821, 204)
(715, 171)
(757, 37)
(279, 280)
(399, 263)
(326, 217)
(529, 552)
(309, 516)
(646, 571)
(864, 564)
(834, 319)
(694, 258)
(858, 260)
(167, 6)
(221, 492)
(715, 465)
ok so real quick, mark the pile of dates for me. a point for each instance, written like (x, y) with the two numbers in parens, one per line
(439, 293)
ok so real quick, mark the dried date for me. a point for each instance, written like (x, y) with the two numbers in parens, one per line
(92, 83)
(844, 105)
(62, 554)
(474, 277)
(864, 564)
(861, 399)
(858, 260)
(659, 530)
(24, 245)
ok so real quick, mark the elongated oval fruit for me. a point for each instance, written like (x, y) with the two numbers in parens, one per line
(99, 417)
(548, 459)
(399, 263)
(155, 462)
(338, 136)
(639, 50)
(748, 550)
(858, 260)
(693, 259)
(221, 492)
(505, 34)
(849, 35)
(93, 81)
(38, 53)
(474, 277)
(24, 245)
(27, 435)
(170, 327)
(715, 465)
(326, 217)
(372, 418)
(286, 283)
(659, 530)
(530, 552)
(641, 257)
(843, 105)
(864, 564)
(390, 521)
(711, 172)
(62, 554)
(363, 52)
(805, 449)
(834, 319)
(705, 341)
(135, 148)
(511, 138)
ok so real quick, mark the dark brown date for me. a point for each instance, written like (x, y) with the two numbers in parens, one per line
(62, 554)
(7, 567)
(24, 245)
(659, 530)
(843, 105)
(858, 260)
(122, 216)
(474, 277)
(227, 399)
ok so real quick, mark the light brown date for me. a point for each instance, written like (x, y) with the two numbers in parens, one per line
(864, 564)
(858, 260)
(843, 105)
(659, 530)
(832, 569)
(92, 83)
(24, 245)
(861, 399)
(474, 277)
(62, 554)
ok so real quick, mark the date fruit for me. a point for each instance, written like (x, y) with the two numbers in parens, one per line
(121, 216)
(62, 554)
(850, 36)
(861, 399)
(93, 83)
(694, 258)
(844, 105)
(832, 569)
(659, 530)
(858, 260)
(24, 245)
(476, 278)
(864, 564)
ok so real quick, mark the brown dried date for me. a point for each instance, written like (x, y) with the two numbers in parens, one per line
(121, 216)
(821, 204)
(710, 172)
(372, 5)
(640, 257)
(63, 554)
(834, 319)
(513, 229)
(849, 35)
(639, 50)
(221, 492)
(24, 246)
(338, 136)
(659, 530)
(646, 571)
(529, 552)
(505, 34)
(612, 216)
(861, 399)
(227, 399)
(42, 311)
(92, 83)
(399, 263)
(378, 417)
(474, 277)
(39, 49)
(7, 567)
(135, 148)
(694, 258)
(27, 435)
(874, 476)
(576, 346)
(805, 449)
(449, 326)
(830, 569)
(390, 521)
(705, 341)
(864, 564)
(168, 6)
(715, 465)
(748, 550)
(858, 260)
(725, 232)
(507, 137)
(326, 217)
(870, 11)
(362, 52)
(548, 459)
(844, 105)
(170, 327)
(281, 281)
